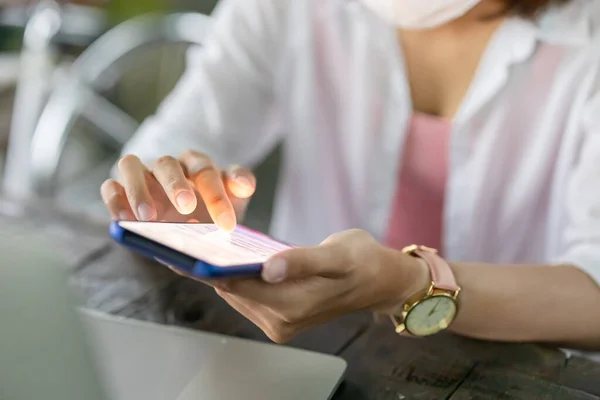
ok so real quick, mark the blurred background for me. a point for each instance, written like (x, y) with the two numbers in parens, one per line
(77, 78)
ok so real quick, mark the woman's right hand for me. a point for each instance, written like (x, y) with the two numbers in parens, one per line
(191, 188)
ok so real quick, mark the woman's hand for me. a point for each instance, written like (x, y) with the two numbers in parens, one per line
(191, 188)
(304, 287)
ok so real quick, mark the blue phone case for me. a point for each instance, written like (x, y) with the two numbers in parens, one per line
(190, 265)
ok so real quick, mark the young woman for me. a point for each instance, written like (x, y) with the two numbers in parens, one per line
(470, 126)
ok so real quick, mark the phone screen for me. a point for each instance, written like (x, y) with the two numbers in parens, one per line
(206, 242)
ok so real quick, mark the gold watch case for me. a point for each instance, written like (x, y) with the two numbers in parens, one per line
(426, 314)
(429, 312)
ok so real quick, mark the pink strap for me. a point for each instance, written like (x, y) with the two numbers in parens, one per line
(441, 273)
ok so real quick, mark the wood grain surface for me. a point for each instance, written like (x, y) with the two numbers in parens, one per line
(381, 365)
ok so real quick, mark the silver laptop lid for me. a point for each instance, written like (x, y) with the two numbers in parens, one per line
(43, 349)
(146, 361)
(44, 352)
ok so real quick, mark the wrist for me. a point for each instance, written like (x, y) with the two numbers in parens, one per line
(403, 277)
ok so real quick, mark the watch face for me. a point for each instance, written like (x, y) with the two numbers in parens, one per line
(431, 316)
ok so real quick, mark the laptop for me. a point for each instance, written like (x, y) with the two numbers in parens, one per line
(50, 349)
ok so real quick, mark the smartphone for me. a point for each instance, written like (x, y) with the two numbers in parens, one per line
(200, 250)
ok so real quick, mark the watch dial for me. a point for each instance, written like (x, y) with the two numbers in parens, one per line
(431, 316)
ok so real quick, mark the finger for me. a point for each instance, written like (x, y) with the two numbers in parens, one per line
(280, 296)
(325, 261)
(209, 183)
(276, 328)
(176, 270)
(169, 173)
(239, 190)
(164, 209)
(255, 317)
(133, 178)
(240, 182)
(212, 283)
(115, 199)
(185, 274)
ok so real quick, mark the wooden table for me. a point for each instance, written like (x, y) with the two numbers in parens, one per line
(381, 364)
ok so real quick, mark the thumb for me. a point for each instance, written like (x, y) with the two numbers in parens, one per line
(300, 263)
(240, 182)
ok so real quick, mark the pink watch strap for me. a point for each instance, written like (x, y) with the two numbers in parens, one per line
(442, 276)
(441, 273)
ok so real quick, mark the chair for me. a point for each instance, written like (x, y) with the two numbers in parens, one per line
(98, 68)
(46, 25)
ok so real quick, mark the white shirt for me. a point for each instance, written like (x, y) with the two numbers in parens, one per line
(327, 78)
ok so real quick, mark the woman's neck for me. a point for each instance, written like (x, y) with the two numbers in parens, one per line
(486, 13)
(442, 62)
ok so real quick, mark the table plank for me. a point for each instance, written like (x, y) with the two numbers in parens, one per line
(489, 383)
(447, 366)
(539, 361)
(120, 281)
(581, 373)
(383, 365)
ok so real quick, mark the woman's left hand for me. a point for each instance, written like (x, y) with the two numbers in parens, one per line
(305, 287)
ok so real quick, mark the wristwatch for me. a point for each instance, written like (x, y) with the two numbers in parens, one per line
(433, 309)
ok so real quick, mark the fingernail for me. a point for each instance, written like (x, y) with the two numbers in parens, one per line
(245, 186)
(123, 216)
(274, 271)
(226, 221)
(245, 182)
(145, 212)
(186, 202)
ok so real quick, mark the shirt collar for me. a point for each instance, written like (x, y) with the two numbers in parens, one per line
(569, 25)
(516, 40)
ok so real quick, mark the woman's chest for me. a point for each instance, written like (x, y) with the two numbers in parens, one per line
(507, 164)
(441, 66)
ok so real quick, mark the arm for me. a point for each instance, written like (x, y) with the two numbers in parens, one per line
(552, 304)
(223, 103)
(560, 303)
(218, 115)
(304, 287)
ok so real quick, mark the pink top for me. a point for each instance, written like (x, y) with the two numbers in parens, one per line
(418, 207)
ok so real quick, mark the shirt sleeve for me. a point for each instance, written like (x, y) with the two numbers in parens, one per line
(582, 236)
(224, 103)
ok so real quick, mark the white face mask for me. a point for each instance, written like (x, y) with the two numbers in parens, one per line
(420, 14)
